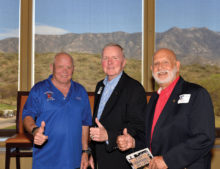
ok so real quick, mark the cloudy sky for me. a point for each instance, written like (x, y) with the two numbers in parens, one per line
(82, 16)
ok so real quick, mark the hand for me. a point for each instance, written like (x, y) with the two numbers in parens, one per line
(125, 141)
(98, 133)
(39, 137)
(84, 161)
(91, 162)
(157, 163)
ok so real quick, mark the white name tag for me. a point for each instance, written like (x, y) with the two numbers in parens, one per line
(184, 98)
(100, 90)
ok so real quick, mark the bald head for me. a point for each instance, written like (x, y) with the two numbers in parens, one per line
(164, 52)
(62, 69)
(165, 67)
(63, 54)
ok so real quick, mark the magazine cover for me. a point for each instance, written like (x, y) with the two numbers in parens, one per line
(140, 159)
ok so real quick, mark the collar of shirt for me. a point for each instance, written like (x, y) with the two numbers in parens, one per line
(109, 87)
(161, 102)
(167, 91)
(112, 83)
(58, 93)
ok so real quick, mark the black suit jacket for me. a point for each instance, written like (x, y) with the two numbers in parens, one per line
(185, 131)
(124, 109)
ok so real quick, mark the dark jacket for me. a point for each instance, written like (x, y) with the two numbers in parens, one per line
(185, 131)
(124, 109)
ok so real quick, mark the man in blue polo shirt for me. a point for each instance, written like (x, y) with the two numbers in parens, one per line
(58, 115)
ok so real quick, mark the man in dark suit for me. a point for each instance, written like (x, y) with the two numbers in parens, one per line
(180, 118)
(119, 108)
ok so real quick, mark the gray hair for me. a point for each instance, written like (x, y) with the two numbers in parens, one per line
(114, 45)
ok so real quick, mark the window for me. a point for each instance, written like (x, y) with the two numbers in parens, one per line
(82, 28)
(191, 29)
(9, 30)
(9, 42)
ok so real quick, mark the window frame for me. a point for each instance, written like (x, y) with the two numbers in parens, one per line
(26, 48)
(26, 59)
(26, 44)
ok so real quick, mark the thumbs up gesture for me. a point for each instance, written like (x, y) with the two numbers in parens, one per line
(39, 137)
(98, 133)
(125, 141)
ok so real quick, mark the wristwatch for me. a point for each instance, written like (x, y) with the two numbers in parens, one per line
(34, 129)
(86, 151)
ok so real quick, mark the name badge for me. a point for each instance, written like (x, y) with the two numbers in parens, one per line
(184, 98)
(100, 90)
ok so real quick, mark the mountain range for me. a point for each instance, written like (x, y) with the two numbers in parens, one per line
(192, 45)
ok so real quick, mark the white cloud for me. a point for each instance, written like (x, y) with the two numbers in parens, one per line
(39, 29)
(9, 33)
(49, 30)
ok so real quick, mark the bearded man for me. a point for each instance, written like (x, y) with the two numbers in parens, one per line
(179, 118)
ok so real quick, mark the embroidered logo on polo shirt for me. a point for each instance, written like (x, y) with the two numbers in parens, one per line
(78, 98)
(49, 95)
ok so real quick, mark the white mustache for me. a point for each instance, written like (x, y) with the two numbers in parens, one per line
(162, 71)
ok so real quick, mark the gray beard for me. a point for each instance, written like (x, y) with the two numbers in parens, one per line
(170, 78)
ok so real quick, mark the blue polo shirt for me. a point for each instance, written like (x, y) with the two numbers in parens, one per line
(64, 118)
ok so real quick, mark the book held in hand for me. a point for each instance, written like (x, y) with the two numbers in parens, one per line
(140, 159)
